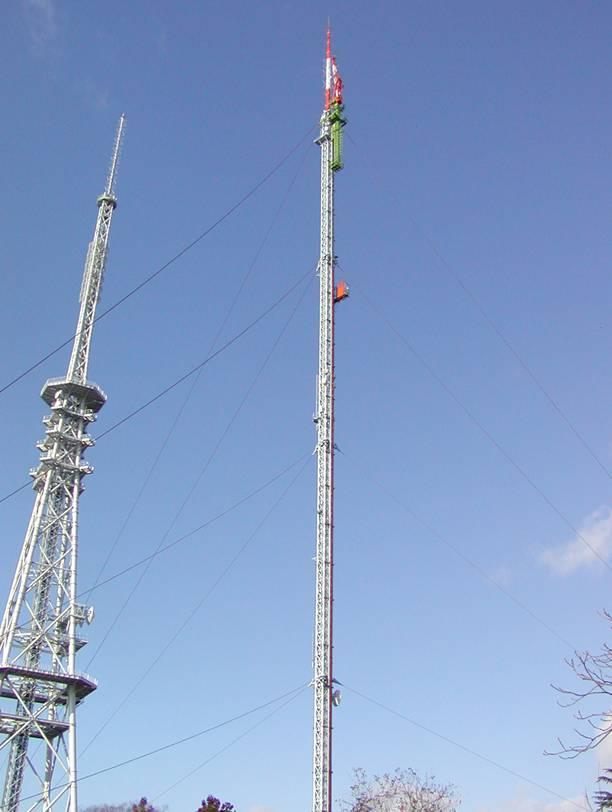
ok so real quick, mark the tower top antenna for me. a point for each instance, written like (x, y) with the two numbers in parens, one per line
(94, 267)
(114, 164)
(333, 82)
(328, 67)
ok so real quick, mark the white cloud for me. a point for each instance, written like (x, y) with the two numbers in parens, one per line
(41, 19)
(566, 558)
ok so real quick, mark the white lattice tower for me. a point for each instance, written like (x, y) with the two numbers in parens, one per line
(40, 688)
(330, 141)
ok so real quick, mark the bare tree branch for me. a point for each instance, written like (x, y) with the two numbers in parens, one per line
(595, 672)
(400, 791)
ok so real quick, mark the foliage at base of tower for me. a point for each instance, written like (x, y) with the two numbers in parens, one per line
(212, 804)
(400, 791)
(603, 797)
(142, 806)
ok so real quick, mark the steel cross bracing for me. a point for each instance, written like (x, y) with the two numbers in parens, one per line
(39, 685)
(329, 141)
(322, 660)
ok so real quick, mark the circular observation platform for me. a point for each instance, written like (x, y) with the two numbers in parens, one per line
(90, 392)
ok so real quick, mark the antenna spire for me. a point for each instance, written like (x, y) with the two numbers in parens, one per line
(328, 68)
(333, 81)
(94, 267)
(112, 172)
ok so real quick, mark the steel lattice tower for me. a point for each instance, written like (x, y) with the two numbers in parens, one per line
(330, 141)
(39, 685)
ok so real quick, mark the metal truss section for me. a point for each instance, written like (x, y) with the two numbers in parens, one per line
(322, 660)
(40, 688)
(94, 268)
(331, 160)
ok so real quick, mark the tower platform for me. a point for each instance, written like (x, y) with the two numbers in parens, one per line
(94, 396)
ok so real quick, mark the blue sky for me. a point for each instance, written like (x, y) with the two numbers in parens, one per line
(473, 215)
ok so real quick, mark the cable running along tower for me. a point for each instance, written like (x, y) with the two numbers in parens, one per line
(330, 141)
(39, 685)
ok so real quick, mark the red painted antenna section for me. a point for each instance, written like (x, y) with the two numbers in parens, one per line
(328, 70)
(333, 81)
(337, 83)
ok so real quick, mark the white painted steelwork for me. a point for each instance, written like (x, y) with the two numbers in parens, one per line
(39, 685)
(324, 419)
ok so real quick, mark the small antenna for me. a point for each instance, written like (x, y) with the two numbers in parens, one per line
(328, 68)
(112, 172)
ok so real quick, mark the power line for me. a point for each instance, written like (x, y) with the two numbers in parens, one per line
(167, 264)
(443, 540)
(16, 491)
(198, 605)
(464, 747)
(503, 338)
(472, 417)
(506, 341)
(197, 377)
(203, 470)
(232, 743)
(191, 372)
(208, 359)
(304, 459)
(197, 529)
(292, 694)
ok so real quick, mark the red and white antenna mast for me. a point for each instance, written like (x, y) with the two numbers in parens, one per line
(325, 696)
(328, 70)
